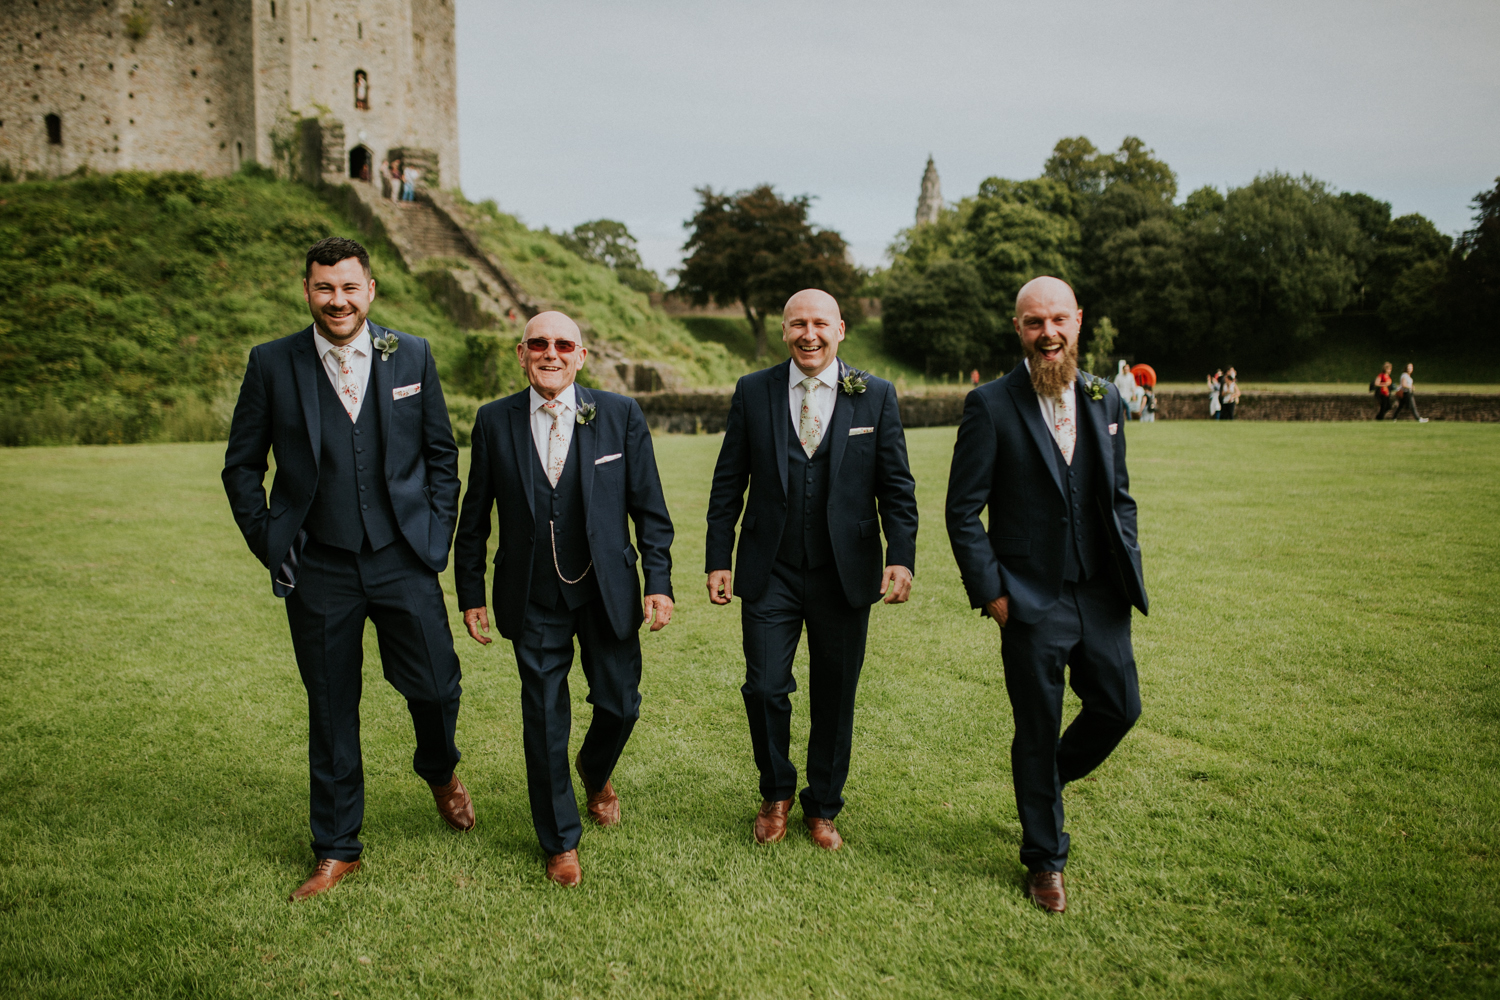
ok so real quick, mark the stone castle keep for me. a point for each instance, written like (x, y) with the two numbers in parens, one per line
(323, 86)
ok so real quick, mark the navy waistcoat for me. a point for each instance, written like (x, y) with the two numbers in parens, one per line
(805, 540)
(1085, 549)
(562, 506)
(351, 503)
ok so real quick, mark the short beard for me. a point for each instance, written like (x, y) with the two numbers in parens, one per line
(1052, 378)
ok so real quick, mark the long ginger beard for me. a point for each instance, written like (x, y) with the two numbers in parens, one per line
(1052, 378)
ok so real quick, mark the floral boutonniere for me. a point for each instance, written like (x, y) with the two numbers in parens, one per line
(586, 414)
(1097, 388)
(386, 345)
(853, 381)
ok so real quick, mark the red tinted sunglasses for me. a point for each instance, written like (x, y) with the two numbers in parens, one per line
(538, 345)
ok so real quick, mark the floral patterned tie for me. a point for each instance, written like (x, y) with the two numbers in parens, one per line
(810, 427)
(1063, 427)
(557, 448)
(348, 383)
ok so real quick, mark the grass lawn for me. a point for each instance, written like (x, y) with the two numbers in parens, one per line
(1308, 807)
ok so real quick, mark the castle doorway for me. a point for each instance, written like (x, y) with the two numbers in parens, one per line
(359, 163)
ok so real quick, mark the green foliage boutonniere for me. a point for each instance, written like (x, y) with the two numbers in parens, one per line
(386, 345)
(586, 414)
(1097, 388)
(853, 381)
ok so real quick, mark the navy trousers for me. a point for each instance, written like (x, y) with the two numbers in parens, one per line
(772, 627)
(336, 591)
(1087, 631)
(612, 667)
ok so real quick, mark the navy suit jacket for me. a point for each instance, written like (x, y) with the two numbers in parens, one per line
(870, 485)
(502, 464)
(278, 412)
(1005, 459)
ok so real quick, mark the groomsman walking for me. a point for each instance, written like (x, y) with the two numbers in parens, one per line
(1058, 568)
(821, 448)
(361, 514)
(566, 466)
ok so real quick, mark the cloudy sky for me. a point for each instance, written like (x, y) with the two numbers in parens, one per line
(572, 111)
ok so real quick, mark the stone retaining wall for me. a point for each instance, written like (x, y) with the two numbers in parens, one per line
(705, 412)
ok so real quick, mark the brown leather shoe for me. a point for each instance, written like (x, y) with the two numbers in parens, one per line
(823, 833)
(563, 868)
(604, 804)
(1046, 891)
(454, 804)
(325, 876)
(770, 822)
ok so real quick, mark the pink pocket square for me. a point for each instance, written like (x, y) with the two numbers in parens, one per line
(1113, 428)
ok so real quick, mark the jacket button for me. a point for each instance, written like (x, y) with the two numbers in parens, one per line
(356, 432)
(364, 506)
(363, 487)
(359, 451)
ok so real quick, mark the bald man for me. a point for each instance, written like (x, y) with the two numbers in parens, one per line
(568, 468)
(821, 449)
(1058, 568)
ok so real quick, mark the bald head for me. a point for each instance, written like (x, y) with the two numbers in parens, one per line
(555, 325)
(1045, 295)
(813, 298)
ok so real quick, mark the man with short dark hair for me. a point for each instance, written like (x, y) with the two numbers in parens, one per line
(1058, 567)
(360, 518)
(567, 468)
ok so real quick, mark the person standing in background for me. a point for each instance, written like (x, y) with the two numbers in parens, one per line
(1229, 395)
(1407, 398)
(409, 178)
(1213, 394)
(1382, 389)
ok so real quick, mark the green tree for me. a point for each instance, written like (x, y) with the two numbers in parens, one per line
(758, 249)
(938, 318)
(1475, 283)
(1017, 230)
(608, 242)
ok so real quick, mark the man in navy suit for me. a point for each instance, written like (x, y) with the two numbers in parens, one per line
(821, 448)
(567, 467)
(360, 517)
(1058, 568)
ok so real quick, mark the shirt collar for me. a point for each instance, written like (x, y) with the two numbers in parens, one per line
(828, 376)
(568, 398)
(360, 343)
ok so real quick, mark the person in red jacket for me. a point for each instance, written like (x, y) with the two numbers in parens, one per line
(1382, 389)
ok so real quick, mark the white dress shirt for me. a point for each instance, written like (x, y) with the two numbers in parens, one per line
(541, 420)
(1406, 381)
(1052, 409)
(823, 399)
(359, 361)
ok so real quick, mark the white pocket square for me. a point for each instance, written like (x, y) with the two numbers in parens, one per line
(406, 390)
(1113, 428)
(861, 430)
(609, 458)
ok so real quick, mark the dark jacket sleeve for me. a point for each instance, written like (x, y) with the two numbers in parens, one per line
(471, 544)
(647, 504)
(1124, 503)
(895, 489)
(245, 459)
(727, 497)
(440, 450)
(969, 484)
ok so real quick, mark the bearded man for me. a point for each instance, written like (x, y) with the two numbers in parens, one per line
(1059, 566)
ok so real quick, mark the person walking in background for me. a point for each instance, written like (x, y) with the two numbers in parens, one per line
(1381, 386)
(1213, 394)
(1229, 395)
(1130, 392)
(974, 378)
(409, 178)
(395, 179)
(1407, 398)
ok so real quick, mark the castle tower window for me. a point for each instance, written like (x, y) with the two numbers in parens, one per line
(54, 130)
(273, 10)
(361, 91)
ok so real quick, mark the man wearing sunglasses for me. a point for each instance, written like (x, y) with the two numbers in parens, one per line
(567, 467)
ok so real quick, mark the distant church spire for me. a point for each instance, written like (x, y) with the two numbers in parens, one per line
(931, 200)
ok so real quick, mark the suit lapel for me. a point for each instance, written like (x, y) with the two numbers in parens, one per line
(1093, 421)
(1030, 408)
(379, 393)
(583, 444)
(781, 419)
(309, 369)
(838, 428)
(523, 446)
